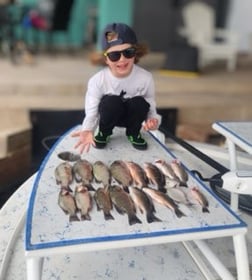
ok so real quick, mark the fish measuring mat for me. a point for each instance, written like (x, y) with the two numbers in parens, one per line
(47, 226)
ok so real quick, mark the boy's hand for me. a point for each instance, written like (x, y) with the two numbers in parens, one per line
(85, 140)
(151, 124)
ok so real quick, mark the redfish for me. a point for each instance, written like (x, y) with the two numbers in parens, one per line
(165, 168)
(179, 171)
(200, 198)
(155, 176)
(165, 200)
(138, 175)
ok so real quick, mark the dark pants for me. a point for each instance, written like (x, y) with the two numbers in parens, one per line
(123, 112)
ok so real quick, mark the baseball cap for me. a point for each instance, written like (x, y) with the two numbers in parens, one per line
(117, 34)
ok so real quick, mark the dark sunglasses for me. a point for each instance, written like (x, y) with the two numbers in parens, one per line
(116, 55)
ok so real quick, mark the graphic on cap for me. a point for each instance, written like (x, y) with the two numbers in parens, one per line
(111, 36)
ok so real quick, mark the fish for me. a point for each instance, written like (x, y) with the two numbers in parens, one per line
(121, 173)
(104, 202)
(180, 171)
(83, 172)
(178, 195)
(83, 201)
(164, 199)
(165, 168)
(67, 203)
(138, 175)
(144, 204)
(123, 203)
(102, 173)
(200, 198)
(155, 176)
(171, 183)
(69, 156)
(64, 175)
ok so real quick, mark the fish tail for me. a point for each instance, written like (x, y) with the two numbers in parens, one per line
(67, 188)
(179, 213)
(152, 218)
(133, 219)
(108, 216)
(205, 209)
(85, 217)
(90, 187)
(183, 184)
(190, 204)
(126, 189)
(74, 218)
(162, 189)
(77, 178)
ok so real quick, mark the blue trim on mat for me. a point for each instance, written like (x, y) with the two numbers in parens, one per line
(126, 237)
(34, 190)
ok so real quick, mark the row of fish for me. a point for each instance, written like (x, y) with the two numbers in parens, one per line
(115, 196)
(134, 188)
(126, 173)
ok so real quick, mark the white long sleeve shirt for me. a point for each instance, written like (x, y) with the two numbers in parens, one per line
(138, 83)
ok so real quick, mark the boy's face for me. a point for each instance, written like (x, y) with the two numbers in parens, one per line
(123, 66)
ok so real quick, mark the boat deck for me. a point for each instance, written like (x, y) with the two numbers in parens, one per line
(71, 266)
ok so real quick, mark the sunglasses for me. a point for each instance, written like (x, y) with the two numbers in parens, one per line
(116, 55)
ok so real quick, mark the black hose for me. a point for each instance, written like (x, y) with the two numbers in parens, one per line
(217, 166)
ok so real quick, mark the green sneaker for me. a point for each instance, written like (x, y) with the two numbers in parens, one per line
(137, 142)
(101, 139)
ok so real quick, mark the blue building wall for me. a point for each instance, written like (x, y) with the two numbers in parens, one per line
(77, 33)
(87, 16)
(113, 11)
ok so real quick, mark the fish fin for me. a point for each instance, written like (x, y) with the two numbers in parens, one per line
(141, 210)
(67, 188)
(77, 178)
(108, 216)
(65, 211)
(153, 209)
(85, 217)
(98, 207)
(90, 187)
(73, 218)
(183, 184)
(189, 204)
(133, 219)
(162, 189)
(205, 210)
(152, 218)
(119, 210)
(179, 213)
(126, 189)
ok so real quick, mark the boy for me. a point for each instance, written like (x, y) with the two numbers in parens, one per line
(121, 94)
